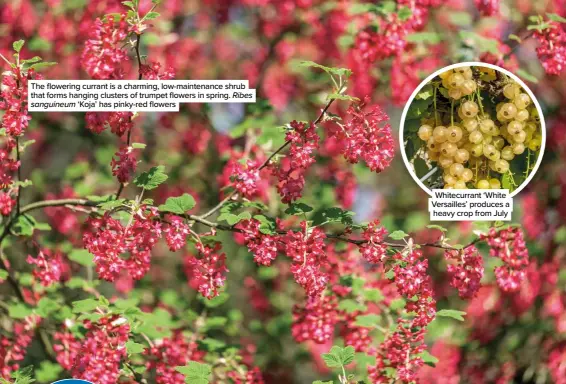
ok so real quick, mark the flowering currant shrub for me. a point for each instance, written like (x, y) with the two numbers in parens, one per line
(276, 242)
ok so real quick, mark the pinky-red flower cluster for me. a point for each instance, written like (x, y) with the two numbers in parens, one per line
(263, 246)
(14, 92)
(49, 266)
(291, 171)
(171, 352)
(509, 246)
(315, 320)
(467, 270)
(124, 164)
(374, 251)
(552, 48)
(107, 239)
(367, 136)
(176, 232)
(207, 272)
(102, 350)
(306, 249)
(13, 349)
(104, 52)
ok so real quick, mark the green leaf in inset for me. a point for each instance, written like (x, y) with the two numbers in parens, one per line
(458, 315)
(179, 205)
(152, 178)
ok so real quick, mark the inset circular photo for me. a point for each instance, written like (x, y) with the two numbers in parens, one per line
(472, 126)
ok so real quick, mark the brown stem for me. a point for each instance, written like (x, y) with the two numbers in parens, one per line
(129, 137)
(265, 164)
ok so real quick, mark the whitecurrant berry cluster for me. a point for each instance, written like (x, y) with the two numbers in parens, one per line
(480, 123)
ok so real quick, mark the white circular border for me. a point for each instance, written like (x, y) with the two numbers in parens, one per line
(471, 64)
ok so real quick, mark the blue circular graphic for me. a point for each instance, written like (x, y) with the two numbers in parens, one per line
(72, 381)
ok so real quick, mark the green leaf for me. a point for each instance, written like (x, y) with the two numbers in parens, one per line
(111, 204)
(139, 145)
(458, 315)
(133, 348)
(3, 274)
(152, 178)
(34, 59)
(322, 382)
(17, 45)
(516, 38)
(483, 44)
(387, 7)
(86, 305)
(46, 306)
(332, 359)
(434, 226)
(195, 372)
(339, 96)
(24, 225)
(461, 18)
(358, 8)
(424, 37)
(398, 235)
(404, 13)
(298, 209)
(82, 257)
(338, 357)
(397, 304)
(268, 225)
(129, 4)
(19, 311)
(43, 64)
(351, 306)
(48, 372)
(333, 71)
(333, 215)
(151, 15)
(555, 17)
(216, 301)
(373, 295)
(367, 321)
(179, 205)
(429, 359)
(215, 322)
(527, 76)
